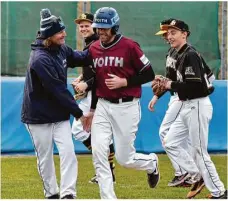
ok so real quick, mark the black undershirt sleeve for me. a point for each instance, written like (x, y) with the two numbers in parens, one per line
(94, 96)
(142, 77)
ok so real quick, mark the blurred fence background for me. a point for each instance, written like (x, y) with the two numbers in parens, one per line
(139, 20)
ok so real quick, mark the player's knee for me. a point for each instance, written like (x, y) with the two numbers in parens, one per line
(68, 154)
(100, 152)
(162, 132)
(120, 159)
(198, 153)
(96, 152)
(161, 138)
(125, 162)
(167, 144)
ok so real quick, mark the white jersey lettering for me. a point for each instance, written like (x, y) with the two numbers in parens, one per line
(170, 63)
(95, 62)
(100, 62)
(108, 61)
(111, 60)
(119, 62)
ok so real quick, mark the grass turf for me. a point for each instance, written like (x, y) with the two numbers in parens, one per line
(20, 179)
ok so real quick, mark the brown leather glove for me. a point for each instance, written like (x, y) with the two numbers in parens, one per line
(158, 85)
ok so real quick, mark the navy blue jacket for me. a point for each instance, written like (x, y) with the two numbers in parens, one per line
(46, 97)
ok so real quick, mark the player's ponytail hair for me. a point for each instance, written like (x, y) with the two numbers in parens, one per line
(47, 42)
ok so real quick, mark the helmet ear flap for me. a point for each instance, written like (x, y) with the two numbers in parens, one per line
(114, 29)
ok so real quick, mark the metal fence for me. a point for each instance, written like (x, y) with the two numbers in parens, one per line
(138, 20)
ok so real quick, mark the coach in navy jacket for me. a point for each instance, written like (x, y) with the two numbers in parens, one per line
(47, 105)
(46, 97)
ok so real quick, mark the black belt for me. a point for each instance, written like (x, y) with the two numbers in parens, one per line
(187, 99)
(173, 93)
(120, 100)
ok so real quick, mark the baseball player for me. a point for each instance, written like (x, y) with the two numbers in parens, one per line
(174, 107)
(47, 105)
(181, 178)
(192, 87)
(121, 68)
(84, 83)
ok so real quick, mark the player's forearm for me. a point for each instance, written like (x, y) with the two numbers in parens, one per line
(94, 98)
(89, 83)
(142, 78)
(94, 102)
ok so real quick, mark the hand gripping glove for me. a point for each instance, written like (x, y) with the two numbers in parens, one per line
(79, 94)
(158, 85)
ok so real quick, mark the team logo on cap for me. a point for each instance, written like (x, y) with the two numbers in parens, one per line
(83, 16)
(115, 19)
(173, 22)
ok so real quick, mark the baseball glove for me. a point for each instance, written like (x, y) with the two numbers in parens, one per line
(158, 85)
(79, 94)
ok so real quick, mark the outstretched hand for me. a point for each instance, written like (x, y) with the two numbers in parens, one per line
(152, 103)
(87, 121)
(77, 80)
(81, 86)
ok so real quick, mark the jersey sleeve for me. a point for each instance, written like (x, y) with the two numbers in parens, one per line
(193, 68)
(207, 68)
(77, 58)
(139, 59)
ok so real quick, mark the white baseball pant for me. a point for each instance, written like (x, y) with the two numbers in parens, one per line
(43, 137)
(171, 114)
(193, 122)
(121, 122)
(77, 128)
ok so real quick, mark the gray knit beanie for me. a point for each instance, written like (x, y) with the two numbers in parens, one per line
(49, 24)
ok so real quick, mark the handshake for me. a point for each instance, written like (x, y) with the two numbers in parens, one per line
(87, 121)
(80, 87)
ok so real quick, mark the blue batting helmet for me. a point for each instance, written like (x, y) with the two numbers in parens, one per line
(106, 17)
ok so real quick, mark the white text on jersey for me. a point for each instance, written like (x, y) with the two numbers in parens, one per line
(108, 61)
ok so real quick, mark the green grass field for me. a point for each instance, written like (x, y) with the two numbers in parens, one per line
(20, 180)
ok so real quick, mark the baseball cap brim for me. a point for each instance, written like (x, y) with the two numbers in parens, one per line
(78, 21)
(171, 26)
(161, 32)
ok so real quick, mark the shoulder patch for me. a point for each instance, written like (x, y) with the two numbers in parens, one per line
(144, 59)
(189, 71)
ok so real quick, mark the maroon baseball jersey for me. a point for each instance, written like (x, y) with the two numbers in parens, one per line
(124, 59)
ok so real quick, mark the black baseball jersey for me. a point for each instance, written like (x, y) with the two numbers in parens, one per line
(171, 73)
(206, 68)
(87, 71)
(171, 60)
(191, 82)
